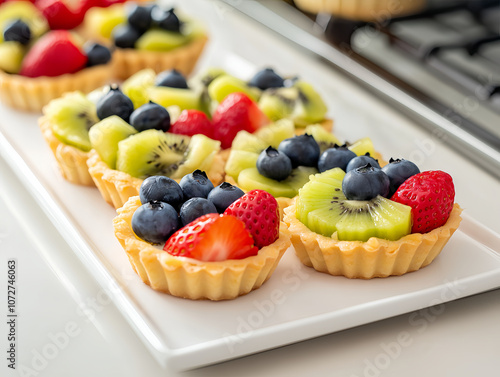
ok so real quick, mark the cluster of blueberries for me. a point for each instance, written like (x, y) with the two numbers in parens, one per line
(168, 205)
(140, 19)
(364, 178)
(148, 116)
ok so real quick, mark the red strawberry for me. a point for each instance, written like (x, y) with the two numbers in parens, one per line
(54, 54)
(259, 211)
(430, 194)
(192, 122)
(59, 15)
(212, 238)
(235, 113)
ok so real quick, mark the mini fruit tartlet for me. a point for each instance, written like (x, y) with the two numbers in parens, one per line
(38, 64)
(213, 243)
(171, 103)
(277, 160)
(345, 224)
(146, 36)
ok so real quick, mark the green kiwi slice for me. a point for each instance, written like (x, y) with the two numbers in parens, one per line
(151, 152)
(223, 85)
(239, 160)
(105, 136)
(324, 209)
(11, 56)
(278, 103)
(250, 179)
(160, 40)
(245, 141)
(310, 107)
(199, 155)
(276, 132)
(165, 96)
(136, 86)
(71, 117)
(363, 146)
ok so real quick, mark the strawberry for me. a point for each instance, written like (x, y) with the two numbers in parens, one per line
(212, 238)
(59, 15)
(192, 122)
(430, 194)
(235, 113)
(259, 211)
(54, 54)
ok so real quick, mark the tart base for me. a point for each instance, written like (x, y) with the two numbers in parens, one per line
(365, 10)
(72, 161)
(32, 94)
(190, 278)
(374, 258)
(117, 187)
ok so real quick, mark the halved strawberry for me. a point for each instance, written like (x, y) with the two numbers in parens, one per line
(212, 238)
(192, 122)
(54, 54)
(235, 113)
(259, 211)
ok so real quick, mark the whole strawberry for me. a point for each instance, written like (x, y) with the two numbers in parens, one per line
(259, 211)
(235, 113)
(212, 238)
(54, 54)
(192, 122)
(61, 14)
(431, 195)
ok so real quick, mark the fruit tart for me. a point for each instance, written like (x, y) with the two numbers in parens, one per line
(343, 222)
(197, 241)
(146, 36)
(277, 160)
(38, 64)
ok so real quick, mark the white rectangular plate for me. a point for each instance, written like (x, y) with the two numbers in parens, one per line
(297, 303)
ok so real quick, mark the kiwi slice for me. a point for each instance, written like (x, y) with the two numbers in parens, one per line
(324, 209)
(102, 21)
(199, 155)
(160, 40)
(105, 135)
(151, 152)
(363, 146)
(324, 138)
(71, 117)
(239, 160)
(250, 179)
(275, 133)
(166, 96)
(224, 85)
(278, 103)
(245, 141)
(11, 56)
(136, 86)
(206, 77)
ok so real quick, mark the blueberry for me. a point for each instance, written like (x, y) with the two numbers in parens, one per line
(125, 36)
(359, 161)
(194, 208)
(150, 116)
(140, 17)
(365, 183)
(171, 79)
(196, 185)
(162, 189)
(399, 171)
(97, 54)
(17, 31)
(266, 79)
(336, 157)
(114, 102)
(302, 150)
(167, 20)
(224, 195)
(155, 222)
(274, 164)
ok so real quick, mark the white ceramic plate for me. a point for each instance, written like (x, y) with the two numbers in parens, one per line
(297, 303)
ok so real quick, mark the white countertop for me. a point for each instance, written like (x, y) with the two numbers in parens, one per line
(56, 337)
